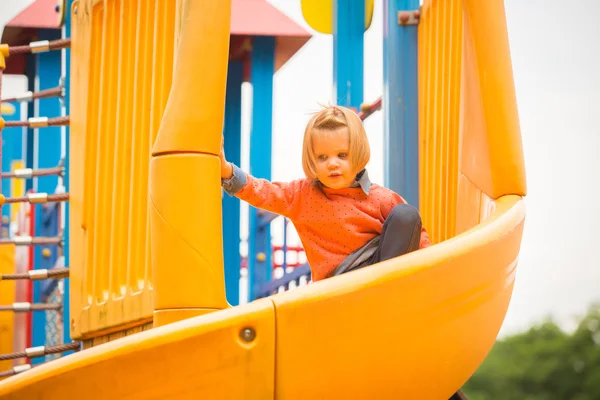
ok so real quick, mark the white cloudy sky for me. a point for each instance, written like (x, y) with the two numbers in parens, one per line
(556, 59)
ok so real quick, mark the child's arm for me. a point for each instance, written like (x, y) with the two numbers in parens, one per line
(277, 197)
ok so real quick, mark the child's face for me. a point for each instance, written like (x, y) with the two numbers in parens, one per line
(332, 159)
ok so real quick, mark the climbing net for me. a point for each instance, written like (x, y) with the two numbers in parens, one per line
(53, 299)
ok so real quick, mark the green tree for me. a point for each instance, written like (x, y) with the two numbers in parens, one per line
(542, 363)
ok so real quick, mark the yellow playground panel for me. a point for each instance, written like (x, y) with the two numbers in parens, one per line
(148, 278)
(7, 296)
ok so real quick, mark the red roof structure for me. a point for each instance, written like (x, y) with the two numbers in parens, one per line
(23, 29)
(259, 18)
(39, 14)
(248, 18)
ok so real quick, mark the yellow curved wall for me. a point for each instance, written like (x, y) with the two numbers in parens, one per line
(122, 64)
(471, 151)
(413, 327)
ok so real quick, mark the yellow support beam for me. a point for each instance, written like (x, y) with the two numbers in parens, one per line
(185, 214)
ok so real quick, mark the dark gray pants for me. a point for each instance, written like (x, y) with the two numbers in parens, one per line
(400, 235)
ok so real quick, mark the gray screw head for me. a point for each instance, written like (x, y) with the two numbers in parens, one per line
(248, 334)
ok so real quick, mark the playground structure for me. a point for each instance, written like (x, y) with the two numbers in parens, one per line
(153, 269)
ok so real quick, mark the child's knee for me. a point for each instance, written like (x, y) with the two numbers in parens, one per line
(404, 215)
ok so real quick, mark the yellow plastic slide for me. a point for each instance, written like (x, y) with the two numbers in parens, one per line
(415, 327)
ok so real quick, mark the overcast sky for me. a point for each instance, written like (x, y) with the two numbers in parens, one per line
(556, 59)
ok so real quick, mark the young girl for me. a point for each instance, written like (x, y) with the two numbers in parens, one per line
(344, 221)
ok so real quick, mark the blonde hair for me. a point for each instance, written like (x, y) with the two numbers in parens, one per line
(331, 119)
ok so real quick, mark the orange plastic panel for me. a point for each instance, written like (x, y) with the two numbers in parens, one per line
(7, 296)
(468, 210)
(415, 327)
(492, 156)
(200, 358)
(122, 63)
(469, 128)
(440, 54)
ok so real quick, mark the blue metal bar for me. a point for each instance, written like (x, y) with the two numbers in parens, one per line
(231, 204)
(48, 155)
(298, 272)
(348, 52)
(400, 102)
(66, 69)
(49, 224)
(259, 240)
(266, 218)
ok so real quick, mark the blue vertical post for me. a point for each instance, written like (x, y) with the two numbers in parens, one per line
(231, 204)
(48, 227)
(400, 101)
(259, 238)
(47, 149)
(66, 70)
(348, 52)
(30, 71)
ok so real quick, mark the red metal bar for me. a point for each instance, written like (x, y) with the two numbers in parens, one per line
(289, 248)
(30, 284)
(369, 109)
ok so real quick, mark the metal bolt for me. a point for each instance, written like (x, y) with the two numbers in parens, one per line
(262, 257)
(248, 334)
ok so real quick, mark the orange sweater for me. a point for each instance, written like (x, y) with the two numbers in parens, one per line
(331, 223)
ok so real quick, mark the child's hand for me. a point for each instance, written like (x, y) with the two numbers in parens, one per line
(226, 168)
